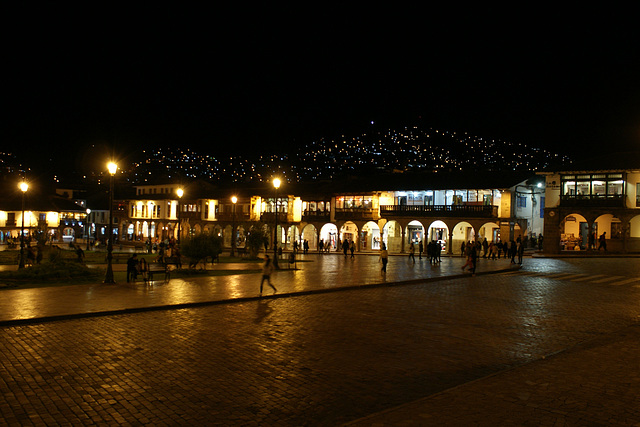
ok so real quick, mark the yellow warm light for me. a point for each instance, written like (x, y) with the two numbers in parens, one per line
(234, 200)
(112, 168)
(24, 187)
(276, 183)
(180, 192)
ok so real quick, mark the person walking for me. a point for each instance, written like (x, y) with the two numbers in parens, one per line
(469, 262)
(352, 248)
(603, 241)
(412, 250)
(384, 259)
(520, 252)
(474, 259)
(420, 249)
(267, 269)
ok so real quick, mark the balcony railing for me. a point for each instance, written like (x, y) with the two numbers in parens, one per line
(316, 216)
(355, 213)
(229, 216)
(269, 217)
(593, 201)
(473, 211)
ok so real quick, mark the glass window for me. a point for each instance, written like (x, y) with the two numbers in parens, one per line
(582, 188)
(615, 188)
(568, 188)
(598, 188)
(521, 201)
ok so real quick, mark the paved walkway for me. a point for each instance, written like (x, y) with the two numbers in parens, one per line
(315, 273)
(572, 387)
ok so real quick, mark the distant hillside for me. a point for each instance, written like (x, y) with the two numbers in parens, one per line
(406, 150)
(417, 150)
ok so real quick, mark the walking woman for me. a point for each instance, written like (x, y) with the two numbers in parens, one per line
(384, 258)
(267, 269)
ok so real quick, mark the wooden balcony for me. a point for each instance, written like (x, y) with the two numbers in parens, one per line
(317, 216)
(229, 216)
(270, 217)
(593, 201)
(347, 214)
(464, 211)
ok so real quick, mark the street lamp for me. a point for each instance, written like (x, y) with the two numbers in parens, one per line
(86, 226)
(180, 193)
(234, 200)
(108, 278)
(276, 185)
(23, 187)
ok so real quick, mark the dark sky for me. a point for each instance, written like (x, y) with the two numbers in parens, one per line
(228, 82)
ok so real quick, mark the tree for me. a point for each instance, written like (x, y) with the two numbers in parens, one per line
(200, 247)
(255, 239)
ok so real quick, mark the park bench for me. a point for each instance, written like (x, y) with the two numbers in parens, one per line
(156, 267)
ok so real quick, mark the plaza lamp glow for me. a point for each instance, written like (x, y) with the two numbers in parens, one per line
(108, 278)
(23, 187)
(180, 193)
(234, 200)
(276, 185)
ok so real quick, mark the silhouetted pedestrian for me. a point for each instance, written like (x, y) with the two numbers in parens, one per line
(132, 268)
(267, 269)
(603, 241)
(384, 258)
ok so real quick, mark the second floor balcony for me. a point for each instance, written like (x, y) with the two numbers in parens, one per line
(308, 216)
(593, 200)
(347, 214)
(465, 211)
(270, 217)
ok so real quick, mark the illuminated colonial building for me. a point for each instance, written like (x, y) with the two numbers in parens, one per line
(592, 200)
(396, 210)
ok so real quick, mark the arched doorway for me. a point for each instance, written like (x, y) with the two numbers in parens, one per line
(310, 235)
(438, 232)
(370, 236)
(392, 236)
(329, 236)
(574, 233)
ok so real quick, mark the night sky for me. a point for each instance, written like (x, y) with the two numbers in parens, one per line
(232, 82)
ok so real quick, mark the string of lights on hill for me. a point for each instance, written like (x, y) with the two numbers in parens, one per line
(408, 150)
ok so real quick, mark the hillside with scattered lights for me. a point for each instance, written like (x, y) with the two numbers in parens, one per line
(408, 150)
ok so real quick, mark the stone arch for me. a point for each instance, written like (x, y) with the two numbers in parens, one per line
(438, 231)
(329, 236)
(310, 234)
(392, 236)
(462, 232)
(489, 231)
(293, 235)
(415, 232)
(633, 243)
(574, 230)
(349, 232)
(370, 236)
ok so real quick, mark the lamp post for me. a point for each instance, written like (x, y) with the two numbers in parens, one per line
(180, 193)
(86, 226)
(276, 185)
(108, 278)
(23, 187)
(234, 200)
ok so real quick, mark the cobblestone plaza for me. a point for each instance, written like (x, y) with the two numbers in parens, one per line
(553, 343)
